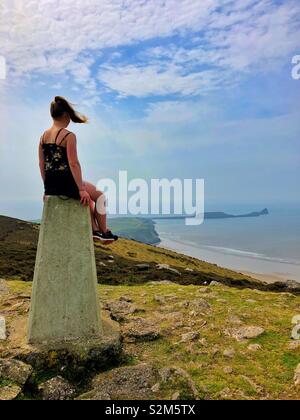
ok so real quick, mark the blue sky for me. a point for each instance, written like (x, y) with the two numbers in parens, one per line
(173, 88)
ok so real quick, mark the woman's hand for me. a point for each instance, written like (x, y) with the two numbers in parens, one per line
(85, 198)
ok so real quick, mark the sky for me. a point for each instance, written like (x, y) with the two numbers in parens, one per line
(173, 89)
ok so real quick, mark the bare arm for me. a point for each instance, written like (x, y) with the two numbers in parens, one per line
(74, 162)
(41, 162)
(76, 168)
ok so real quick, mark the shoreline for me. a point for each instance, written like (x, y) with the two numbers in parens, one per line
(266, 272)
(264, 277)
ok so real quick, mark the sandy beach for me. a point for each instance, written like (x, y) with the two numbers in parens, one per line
(262, 270)
(266, 278)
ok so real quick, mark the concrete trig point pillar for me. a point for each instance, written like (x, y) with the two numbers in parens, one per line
(65, 304)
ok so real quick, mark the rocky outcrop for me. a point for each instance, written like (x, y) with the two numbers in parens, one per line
(128, 383)
(229, 353)
(297, 376)
(57, 389)
(2, 328)
(73, 356)
(9, 393)
(168, 268)
(121, 309)
(15, 371)
(142, 382)
(191, 336)
(254, 347)
(140, 329)
(201, 304)
(246, 332)
(180, 379)
(14, 374)
(3, 288)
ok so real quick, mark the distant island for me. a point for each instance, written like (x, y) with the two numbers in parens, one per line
(142, 229)
(216, 215)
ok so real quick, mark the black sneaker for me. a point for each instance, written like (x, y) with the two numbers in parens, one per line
(109, 236)
(105, 237)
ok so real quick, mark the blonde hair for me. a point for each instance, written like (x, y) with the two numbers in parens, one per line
(60, 106)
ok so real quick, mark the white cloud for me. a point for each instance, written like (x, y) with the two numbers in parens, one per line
(33, 30)
(244, 37)
(148, 80)
(175, 112)
(262, 37)
(64, 38)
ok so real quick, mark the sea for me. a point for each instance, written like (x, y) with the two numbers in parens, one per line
(267, 245)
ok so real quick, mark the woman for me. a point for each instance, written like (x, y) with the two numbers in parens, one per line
(61, 170)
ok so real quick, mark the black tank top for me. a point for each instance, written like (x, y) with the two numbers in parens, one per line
(58, 176)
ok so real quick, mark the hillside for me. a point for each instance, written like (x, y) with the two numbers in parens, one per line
(186, 334)
(213, 342)
(127, 262)
(137, 228)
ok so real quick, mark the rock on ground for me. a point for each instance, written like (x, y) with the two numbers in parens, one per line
(2, 328)
(245, 332)
(121, 309)
(184, 304)
(250, 381)
(292, 285)
(15, 371)
(191, 336)
(296, 329)
(177, 377)
(161, 283)
(126, 383)
(167, 267)
(204, 290)
(229, 353)
(57, 389)
(175, 316)
(4, 290)
(201, 304)
(297, 376)
(233, 319)
(143, 267)
(9, 393)
(125, 299)
(160, 299)
(140, 329)
(215, 283)
(254, 347)
(142, 382)
(294, 345)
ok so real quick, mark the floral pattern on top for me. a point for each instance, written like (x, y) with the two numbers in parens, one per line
(55, 158)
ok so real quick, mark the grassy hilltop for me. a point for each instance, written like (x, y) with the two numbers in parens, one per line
(18, 242)
(138, 228)
(222, 342)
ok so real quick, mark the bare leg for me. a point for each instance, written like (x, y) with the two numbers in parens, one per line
(94, 221)
(99, 221)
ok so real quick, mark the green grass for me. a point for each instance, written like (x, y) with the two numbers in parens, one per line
(139, 229)
(267, 373)
(264, 374)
